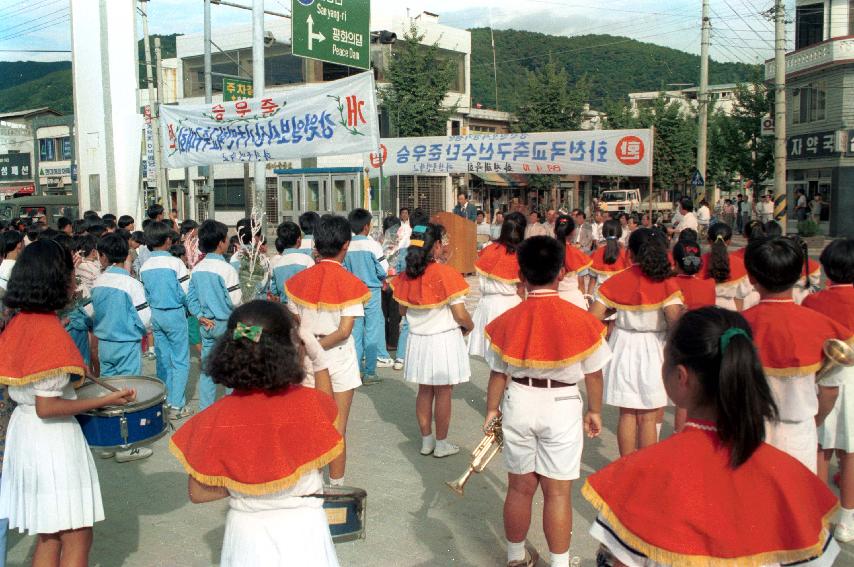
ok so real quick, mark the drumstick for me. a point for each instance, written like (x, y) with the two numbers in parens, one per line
(101, 383)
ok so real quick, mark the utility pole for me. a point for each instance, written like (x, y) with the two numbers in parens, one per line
(258, 88)
(703, 93)
(780, 207)
(162, 172)
(208, 99)
(152, 102)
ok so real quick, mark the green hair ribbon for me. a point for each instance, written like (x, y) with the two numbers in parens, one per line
(730, 334)
(252, 333)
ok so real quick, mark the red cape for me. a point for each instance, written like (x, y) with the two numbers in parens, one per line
(438, 285)
(680, 503)
(600, 267)
(631, 290)
(575, 260)
(497, 263)
(790, 337)
(737, 271)
(326, 286)
(836, 301)
(527, 335)
(697, 292)
(258, 443)
(35, 346)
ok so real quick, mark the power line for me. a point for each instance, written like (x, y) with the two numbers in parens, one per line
(35, 51)
(35, 21)
(38, 5)
(44, 25)
(771, 45)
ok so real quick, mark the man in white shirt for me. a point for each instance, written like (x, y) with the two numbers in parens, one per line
(405, 230)
(766, 209)
(687, 219)
(598, 221)
(704, 216)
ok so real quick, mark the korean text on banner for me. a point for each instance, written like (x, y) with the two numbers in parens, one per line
(598, 152)
(334, 118)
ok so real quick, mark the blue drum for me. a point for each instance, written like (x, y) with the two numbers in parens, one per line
(345, 511)
(115, 428)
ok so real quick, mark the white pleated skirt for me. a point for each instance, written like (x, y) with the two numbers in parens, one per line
(633, 376)
(441, 359)
(488, 309)
(273, 538)
(837, 431)
(49, 481)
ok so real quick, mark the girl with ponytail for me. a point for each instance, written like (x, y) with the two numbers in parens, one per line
(498, 274)
(810, 280)
(646, 301)
(727, 270)
(432, 298)
(575, 262)
(712, 369)
(610, 259)
(698, 292)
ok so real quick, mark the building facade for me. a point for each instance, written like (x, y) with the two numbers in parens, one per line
(18, 151)
(820, 111)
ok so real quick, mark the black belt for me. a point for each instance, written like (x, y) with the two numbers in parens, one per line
(540, 382)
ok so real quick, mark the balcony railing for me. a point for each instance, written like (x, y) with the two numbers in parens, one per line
(825, 53)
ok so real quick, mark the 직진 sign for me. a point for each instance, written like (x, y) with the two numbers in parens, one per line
(334, 118)
(336, 31)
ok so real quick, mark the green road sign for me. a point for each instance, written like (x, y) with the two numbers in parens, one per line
(336, 31)
(236, 89)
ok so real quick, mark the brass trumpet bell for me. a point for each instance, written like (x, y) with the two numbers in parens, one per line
(486, 450)
(836, 353)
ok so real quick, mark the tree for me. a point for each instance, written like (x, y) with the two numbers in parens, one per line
(419, 80)
(736, 142)
(675, 138)
(549, 105)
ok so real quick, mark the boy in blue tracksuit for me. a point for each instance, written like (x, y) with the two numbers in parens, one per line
(214, 293)
(166, 281)
(121, 317)
(418, 218)
(290, 260)
(366, 261)
(120, 311)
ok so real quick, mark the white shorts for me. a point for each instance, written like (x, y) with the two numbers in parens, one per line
(343, 367)
(543, 431)
(797, 438)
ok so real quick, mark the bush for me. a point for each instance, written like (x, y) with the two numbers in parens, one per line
(807, 228)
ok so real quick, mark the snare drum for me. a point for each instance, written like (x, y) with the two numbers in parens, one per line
(114, 428)
(345, 510)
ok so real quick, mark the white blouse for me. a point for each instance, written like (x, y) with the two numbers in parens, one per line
(432, 321)
(55, 387)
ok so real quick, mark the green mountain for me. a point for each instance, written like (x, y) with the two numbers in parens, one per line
(14, 73)
(53, 90)
(616, 66)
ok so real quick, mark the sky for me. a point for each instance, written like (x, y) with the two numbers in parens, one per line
(739, 32)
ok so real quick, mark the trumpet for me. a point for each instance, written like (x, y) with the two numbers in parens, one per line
(489, 446)
(836, 353)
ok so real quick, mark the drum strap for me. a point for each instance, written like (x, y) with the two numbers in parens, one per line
(141, 306)
(233, 288)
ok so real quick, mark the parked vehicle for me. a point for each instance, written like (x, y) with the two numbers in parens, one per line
(630, 201)
(51, 206)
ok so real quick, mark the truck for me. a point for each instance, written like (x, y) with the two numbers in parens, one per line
(51, 206)
(630, 201)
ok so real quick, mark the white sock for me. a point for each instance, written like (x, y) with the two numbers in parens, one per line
(846, 516)
(515, 551)
(427, 441)
(658, 431)
(560, 559)
(443, 443)
(336, 481)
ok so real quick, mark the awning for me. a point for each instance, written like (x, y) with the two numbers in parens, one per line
(503, 179)
(18, 190)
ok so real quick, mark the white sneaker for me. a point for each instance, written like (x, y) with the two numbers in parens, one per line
(180, 413)
(428, 447)
(398, 364)
(384, 362)
(107, 454)
(133, 455)
(843, 533)
(445, 449)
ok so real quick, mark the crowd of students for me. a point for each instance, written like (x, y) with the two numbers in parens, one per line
(721, 336)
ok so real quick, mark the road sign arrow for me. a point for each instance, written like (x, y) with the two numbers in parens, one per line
(311, 35)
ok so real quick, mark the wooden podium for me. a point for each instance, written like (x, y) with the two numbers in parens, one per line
(463, 235)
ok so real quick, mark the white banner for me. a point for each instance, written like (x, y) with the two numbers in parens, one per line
(334, 118)
(595, 152)
(150, 161)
